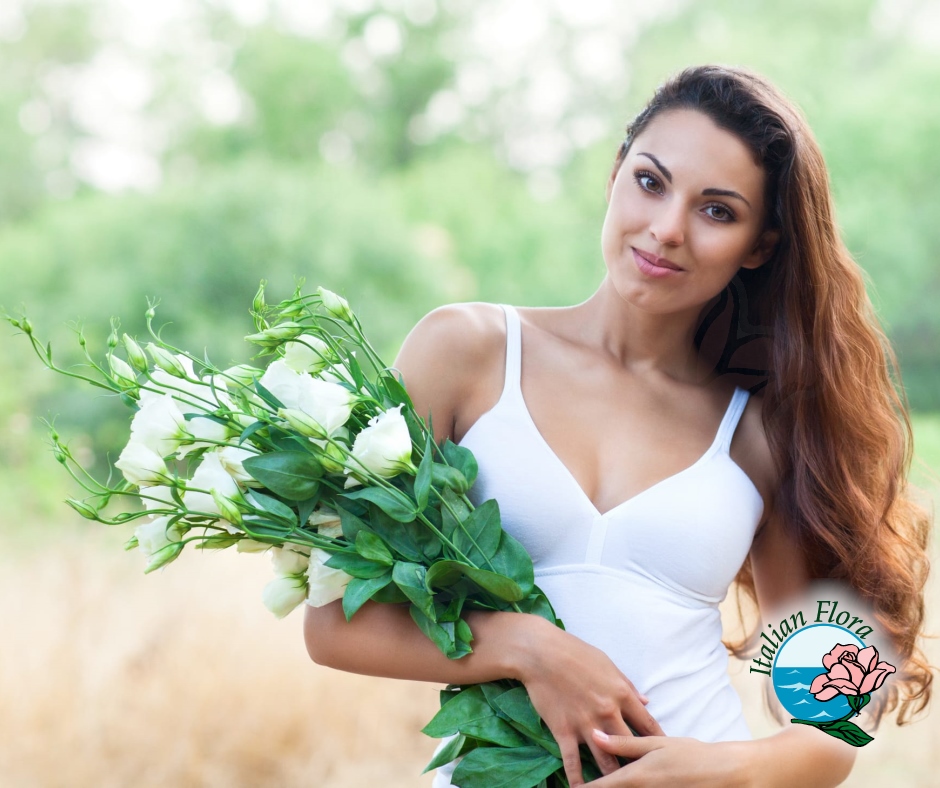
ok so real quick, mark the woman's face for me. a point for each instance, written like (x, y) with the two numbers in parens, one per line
(689, 195)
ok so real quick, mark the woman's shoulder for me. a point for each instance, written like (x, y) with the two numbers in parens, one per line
(751, 449)
(445, 355)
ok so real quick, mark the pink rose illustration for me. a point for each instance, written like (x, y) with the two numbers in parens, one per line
(851, 672)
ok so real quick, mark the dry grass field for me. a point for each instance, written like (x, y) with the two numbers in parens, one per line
(109, 678)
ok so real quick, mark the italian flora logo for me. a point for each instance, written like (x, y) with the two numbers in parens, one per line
(824, 674)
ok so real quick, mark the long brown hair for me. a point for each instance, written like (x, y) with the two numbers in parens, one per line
(835, 412)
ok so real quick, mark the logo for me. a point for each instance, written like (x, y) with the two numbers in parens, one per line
(823, 672)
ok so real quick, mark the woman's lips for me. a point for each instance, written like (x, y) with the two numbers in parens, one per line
(651, 265)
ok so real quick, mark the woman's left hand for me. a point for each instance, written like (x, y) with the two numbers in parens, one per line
(667, 761)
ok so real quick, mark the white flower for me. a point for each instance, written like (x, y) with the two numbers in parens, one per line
(209, 476)
(325, 584)
(232, 458)
(384, 447)
(283, 382)
(283, 594)
(327, 522)
(153, 536)
(177, 386)
(202, 432)
(158, 425)
(291, 560)
(140, 465)
(307, 353)
(164, 496)
(328, 404)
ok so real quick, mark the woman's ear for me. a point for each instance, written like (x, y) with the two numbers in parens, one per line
(763, 250)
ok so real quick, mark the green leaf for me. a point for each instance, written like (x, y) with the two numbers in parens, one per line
(396, 391)
(445, 476)
(495, 767)
(455, 506)
(478, 538)
(393, 502)
(849, 732)
(268, 397)
(414, 541)
(390, 595)
(305, 508)
(359, 591)
(410, 578)
(447, 573)
(423, 477)
(370, 546)
(514, 561)
(470, 714)
(274, 507)
(462, 459)
(441, 635)
(260, 527)
(292, 475)
(357, 566)
(537, 604)
(516, 707)
(351, 524)
(451, 752)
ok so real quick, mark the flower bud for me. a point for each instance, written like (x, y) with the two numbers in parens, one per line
(135, 354)
(303, 423)
(336, 305)
(243, 374)
(84, 509)
(112, 339)
(258, 305)
(123, 374)
(276, 335)
(59, 453)
(164, 556)
(81, 339)
(26, 327)
(166, 361)
(227, 508)
(333, 460)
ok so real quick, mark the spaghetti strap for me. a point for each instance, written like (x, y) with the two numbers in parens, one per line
(511, 383)
(732, 416)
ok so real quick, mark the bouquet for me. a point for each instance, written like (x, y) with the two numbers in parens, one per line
(317, 456)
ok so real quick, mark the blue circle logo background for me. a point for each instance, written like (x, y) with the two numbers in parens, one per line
(799, 661)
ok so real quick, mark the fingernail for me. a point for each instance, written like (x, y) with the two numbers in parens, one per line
(644, 698)
(601, 735)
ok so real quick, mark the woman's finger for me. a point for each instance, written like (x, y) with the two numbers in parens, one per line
(571, 760)
(639, 719)
(631, 747)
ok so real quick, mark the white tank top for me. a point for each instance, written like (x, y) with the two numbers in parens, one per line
(642, 581)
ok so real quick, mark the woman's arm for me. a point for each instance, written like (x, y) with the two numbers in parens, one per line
(574, 686)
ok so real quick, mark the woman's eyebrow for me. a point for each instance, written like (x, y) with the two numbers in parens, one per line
(658, 163)
(705, 192)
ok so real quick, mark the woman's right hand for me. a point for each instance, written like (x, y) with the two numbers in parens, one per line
(576, 688)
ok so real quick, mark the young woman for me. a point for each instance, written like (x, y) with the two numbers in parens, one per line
(644, 478)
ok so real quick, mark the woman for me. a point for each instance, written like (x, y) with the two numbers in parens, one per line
(643, 481)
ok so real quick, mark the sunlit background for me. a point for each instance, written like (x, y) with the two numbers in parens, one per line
(406, 153)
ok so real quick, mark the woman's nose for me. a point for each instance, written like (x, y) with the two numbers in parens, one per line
(668, 225)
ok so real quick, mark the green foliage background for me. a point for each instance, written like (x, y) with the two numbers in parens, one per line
(410, 222)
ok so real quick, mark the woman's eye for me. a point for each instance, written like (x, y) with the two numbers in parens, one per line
(720, 213)
(646, 181)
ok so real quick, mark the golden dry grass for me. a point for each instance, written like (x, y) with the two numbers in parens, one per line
(111, 678)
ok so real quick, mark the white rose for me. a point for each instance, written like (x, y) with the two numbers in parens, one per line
(291, 560)
(384, 447)
(325, 584)
(232, 458)
(329, 404)
(307, 353)
(163, 495)
(283, 594)
(159, 425)
(202, 432)
(283, 383)
(209, 476)
(153, 536)
(140, 465)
